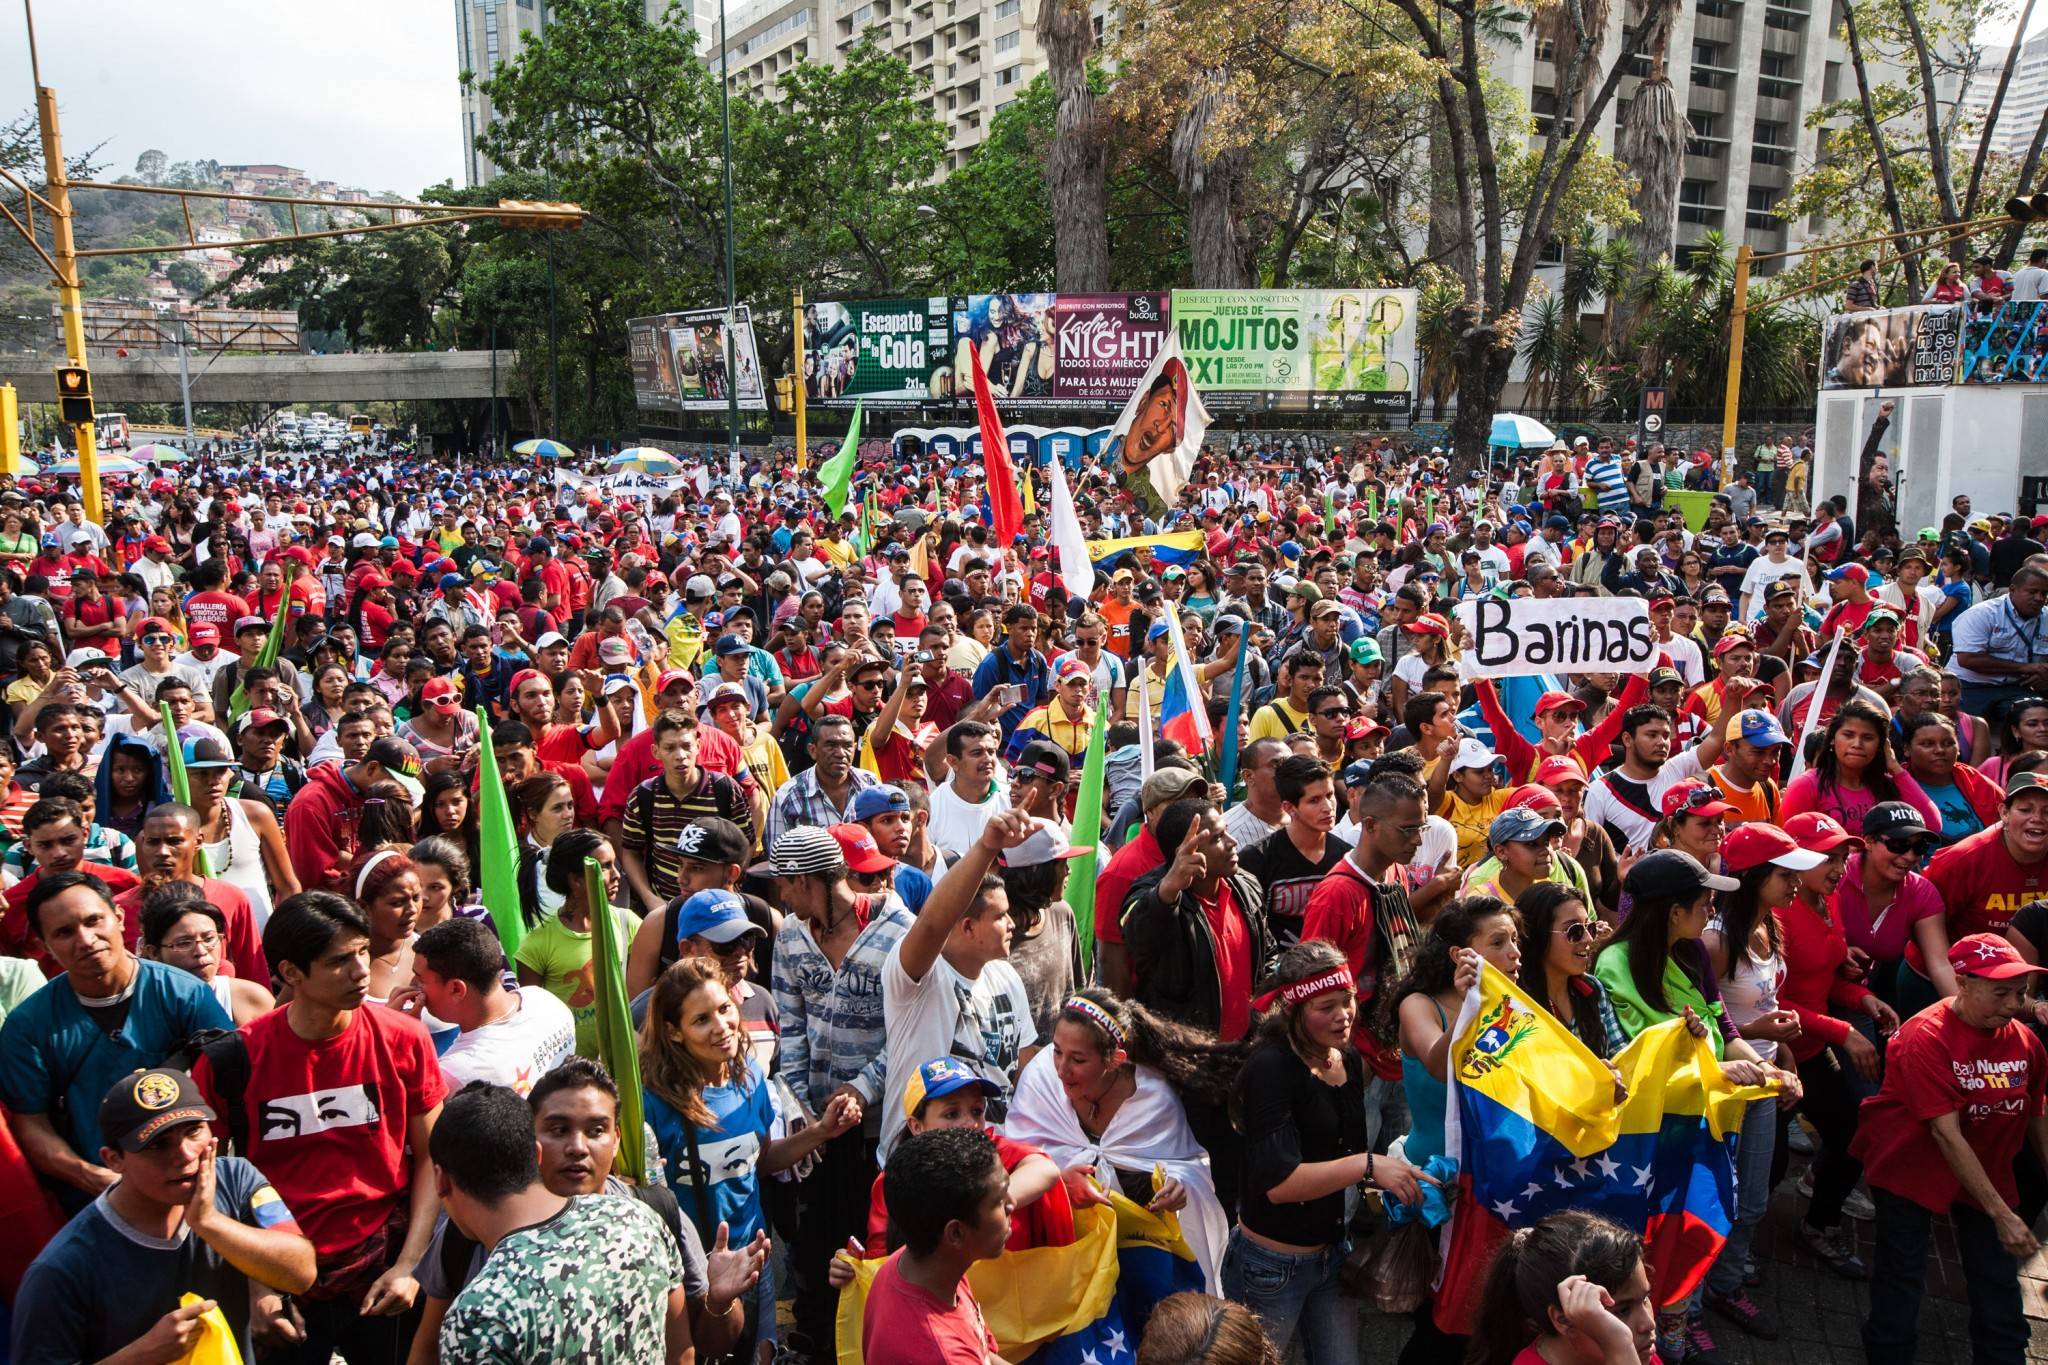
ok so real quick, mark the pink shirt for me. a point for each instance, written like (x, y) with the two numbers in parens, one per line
(1885, 940)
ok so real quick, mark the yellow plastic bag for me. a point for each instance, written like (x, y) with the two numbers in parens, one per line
(216, 1344)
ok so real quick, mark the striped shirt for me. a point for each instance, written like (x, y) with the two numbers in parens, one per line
(832, 1023)
(655, 817)
(1610, 485)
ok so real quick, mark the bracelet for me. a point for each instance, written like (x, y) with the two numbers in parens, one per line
(1367, 1182)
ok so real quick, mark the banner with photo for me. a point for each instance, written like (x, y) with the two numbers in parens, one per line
(1014, 334)
(1300, 349)
(881, 352)
(2008, 345)
(1892, 348)
(679, 361)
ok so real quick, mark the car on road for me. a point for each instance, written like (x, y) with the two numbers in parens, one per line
(330, 445)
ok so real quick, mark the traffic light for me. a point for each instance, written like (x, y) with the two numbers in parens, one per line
(2027, 208)
(785, 392)
(536, 213)
(74, 394)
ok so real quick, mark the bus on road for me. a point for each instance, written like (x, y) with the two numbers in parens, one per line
(110, 430)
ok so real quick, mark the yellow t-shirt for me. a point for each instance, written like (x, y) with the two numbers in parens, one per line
(840, 552)
(1268, 725)
(1471, 821)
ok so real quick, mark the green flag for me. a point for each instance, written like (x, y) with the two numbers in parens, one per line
(1329, 514)
(181, 782)
(1088, 834)
(837, 473)
(617, 1047)
(273, 645)
(497, 844)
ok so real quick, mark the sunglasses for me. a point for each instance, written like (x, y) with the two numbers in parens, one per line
(1698, 797)
(1905, 845)
(1334, 712)
(158, 639)
(1578, 931)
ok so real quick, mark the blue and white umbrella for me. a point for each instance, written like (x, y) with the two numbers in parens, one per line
(1513, 429)
(109, 465)
(541, 445)
(646, 460)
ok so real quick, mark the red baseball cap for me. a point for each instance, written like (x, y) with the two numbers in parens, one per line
(442, 694)
(1558, 701)
(861, 852)
(157, 544)
(1695, 797)
(1818, 832)
(1430, 623)
(1530, 795)
(154, 625)
(1559, 768)
(1988, 956)
(372, 580)
(204, 633)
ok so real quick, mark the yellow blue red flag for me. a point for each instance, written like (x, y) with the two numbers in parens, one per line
(1533, 1121)
(1172, 547)
(1063, 1305)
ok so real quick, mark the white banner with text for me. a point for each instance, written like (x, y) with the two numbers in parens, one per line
(1506, 638)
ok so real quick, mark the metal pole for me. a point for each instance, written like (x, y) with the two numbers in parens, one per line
(554, 366)
(69, 304)
(796, 315)
(1738, 317)
(184, 379)
(494, 387)
(732, 377)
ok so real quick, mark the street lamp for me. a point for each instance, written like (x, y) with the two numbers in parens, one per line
(930, 214)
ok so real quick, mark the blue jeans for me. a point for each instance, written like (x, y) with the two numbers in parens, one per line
(1752, 1194)
(1991, 700)
(1898, 1281)
(1294, 1293)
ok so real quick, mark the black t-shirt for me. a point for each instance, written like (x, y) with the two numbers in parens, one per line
(1290, 1117)
(1288, 879)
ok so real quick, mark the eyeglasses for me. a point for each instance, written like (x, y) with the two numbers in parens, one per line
(186, 944)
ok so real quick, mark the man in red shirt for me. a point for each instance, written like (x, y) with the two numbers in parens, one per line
(209, 604)
(1984, 878)
(949, 1197)
(335, 1104)
(533, 702)
(1962, 1092)
(165, 852)
(1168, 784)
(320, 824)
(54, 831)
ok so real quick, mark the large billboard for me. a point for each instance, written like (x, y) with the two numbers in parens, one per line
(1103, 344)
(882, 352)
(1892, 348)
(679, 361)
(1297, 349)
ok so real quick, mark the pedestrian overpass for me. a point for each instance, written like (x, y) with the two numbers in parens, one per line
(335, 381)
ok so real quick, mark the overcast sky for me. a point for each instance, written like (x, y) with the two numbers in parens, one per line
(361, 92)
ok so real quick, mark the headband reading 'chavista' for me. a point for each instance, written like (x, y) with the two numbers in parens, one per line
(1097, 1015)
(1294, 992)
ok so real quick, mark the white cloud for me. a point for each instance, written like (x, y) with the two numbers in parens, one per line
(361, 92)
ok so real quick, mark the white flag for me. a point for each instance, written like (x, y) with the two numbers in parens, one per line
(1153, 445)
(1077, 571)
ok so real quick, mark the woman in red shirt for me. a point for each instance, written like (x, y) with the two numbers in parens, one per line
(1826, 1046)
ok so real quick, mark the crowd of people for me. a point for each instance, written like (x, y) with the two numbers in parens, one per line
(271, 1065)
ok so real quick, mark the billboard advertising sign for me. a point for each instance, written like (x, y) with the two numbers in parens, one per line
(1346, 349)
(679, 361)
(883, 352)
(1103, 343)
(1892, 348)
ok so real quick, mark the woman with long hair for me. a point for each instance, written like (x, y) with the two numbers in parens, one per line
(1830, 1052)
(1199, 594)
(1967, 801)
(1571, 1289)
(384, 882)
(2024, 729)
(709, 1105)
(446, 882)
(36, 663)
(1745, 946)
(1658, 969)
(1892, 914)
(1562, 935)
(1694, 822)
(543, 809)
(1301, 1099)
(448, 808)
(1857, 767)
(1692, 573)
(1106, 1094)
(556, 954)
(167, 605)
(330, 685)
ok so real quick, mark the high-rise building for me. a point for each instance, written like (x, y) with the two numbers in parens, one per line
(976, 55)
(2026, 98)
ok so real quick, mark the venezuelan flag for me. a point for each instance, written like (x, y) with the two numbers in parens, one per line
(1534, 1124)
(1174, 547)
(1064, 1305)
(1183, 716)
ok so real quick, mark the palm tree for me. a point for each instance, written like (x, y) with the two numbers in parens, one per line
(1549, 347)
(1439, 299)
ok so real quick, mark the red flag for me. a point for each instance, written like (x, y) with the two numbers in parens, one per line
(1005, 504)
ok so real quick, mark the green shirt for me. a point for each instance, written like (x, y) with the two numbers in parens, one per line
(561, 957)
(1766, 457)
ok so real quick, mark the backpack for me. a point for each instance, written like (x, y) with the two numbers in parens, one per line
(227, 1054)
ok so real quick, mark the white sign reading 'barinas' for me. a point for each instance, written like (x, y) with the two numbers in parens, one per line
(1505, 637)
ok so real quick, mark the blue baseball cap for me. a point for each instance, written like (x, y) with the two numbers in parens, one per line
(942, 1076)
(388, 543)
(878, 800)
(716, 916)
(452, 580)
(1290, 549)
(1357, 774)
(729, 645)
(1158, 629)
(1522, 825)
(1759, 727)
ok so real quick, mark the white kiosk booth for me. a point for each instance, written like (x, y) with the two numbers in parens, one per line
(1971, 415)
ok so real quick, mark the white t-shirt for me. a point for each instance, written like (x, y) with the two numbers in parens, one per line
(985, 1024)
(1686, 658)
(206, 668)
(1761, 573)
(514, 1052)
(956, 822)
